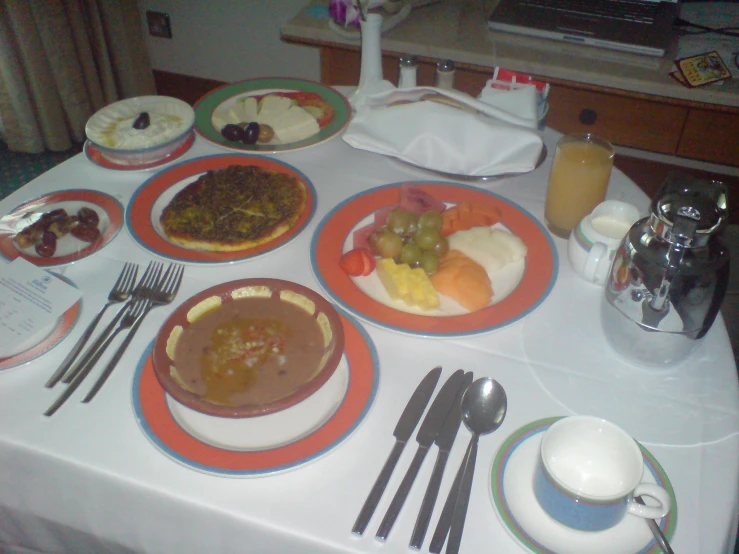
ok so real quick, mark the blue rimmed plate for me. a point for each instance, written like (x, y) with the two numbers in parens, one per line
(148, 202)
(218, 448)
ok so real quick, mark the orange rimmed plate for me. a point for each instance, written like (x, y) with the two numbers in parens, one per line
(60, 330)
(69, 249)
(153, 413)
(148, 202)
(94, 155)
(537, 280)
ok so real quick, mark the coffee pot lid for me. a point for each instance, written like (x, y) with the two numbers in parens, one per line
(689, 209)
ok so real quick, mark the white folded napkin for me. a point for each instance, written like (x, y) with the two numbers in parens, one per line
(521, 101)
(470, 138)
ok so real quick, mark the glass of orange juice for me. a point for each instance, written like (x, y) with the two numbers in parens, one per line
(578, 181)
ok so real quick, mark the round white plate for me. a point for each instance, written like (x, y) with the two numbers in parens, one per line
(68, 249)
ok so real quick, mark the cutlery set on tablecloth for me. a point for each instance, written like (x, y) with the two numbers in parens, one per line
(156, 287)
(482, 405)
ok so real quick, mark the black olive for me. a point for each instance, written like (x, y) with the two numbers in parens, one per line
(142, 121)
(251, 133)
(232, 132)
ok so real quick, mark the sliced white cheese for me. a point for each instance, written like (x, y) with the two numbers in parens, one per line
(235, 114)
(293, 125)
(219, 121)
(250, 108)
(271, 107)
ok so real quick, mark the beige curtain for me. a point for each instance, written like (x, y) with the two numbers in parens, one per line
(61, 61)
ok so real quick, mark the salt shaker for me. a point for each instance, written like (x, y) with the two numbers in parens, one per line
(445, 74)
(408, 67)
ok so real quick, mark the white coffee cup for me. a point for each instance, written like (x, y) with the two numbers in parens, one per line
(589, 472)
(593, 243)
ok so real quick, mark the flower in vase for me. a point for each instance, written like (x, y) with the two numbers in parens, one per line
(349, 12)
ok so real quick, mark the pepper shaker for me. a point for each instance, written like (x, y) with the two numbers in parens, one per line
(408, 67)
(445, 74)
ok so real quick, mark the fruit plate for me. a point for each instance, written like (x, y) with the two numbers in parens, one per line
(147, 203)
(69, 249)
(523, 289)
(227, 95)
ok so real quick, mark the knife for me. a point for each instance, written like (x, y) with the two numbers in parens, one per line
(444, 440)
(430, 427)
(445, 520)
(403, 430)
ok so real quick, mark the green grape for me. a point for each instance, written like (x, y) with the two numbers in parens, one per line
(440, 247)
(429, 262)
(412, 226)
(410, 254)
(401, 222)
(426, 237)
(431, 219)
(388, 244)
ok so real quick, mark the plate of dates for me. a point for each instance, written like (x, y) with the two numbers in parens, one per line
(61, 227)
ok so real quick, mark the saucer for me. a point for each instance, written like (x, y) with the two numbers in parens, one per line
(512, 493)
(93, 154)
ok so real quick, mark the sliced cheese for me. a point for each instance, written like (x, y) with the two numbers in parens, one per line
(250, 108)
(236, 114)
(293, 125)
(271, 107)
(219, 121)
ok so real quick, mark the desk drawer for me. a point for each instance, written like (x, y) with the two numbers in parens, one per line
(711, 136)
(625, 121)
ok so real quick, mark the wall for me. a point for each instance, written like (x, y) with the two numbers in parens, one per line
(229, 40)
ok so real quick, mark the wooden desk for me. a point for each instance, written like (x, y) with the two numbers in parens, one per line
(627, 98)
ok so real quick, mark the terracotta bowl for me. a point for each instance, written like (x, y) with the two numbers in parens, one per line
(214, 354)
(111, 131)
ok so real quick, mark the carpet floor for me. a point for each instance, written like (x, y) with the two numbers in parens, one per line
(17, 169)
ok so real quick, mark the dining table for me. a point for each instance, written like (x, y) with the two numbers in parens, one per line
(99, 476)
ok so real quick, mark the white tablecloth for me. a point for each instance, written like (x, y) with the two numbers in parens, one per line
(88, 480)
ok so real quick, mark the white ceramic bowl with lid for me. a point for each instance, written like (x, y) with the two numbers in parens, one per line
(113, 132)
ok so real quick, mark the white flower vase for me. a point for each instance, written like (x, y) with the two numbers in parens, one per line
(370, 74)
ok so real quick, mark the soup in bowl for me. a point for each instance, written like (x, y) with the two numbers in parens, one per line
(248, 348)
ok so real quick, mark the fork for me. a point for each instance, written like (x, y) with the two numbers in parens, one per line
(144, 286)
(132, 313)
(165, 292)
(120, 292)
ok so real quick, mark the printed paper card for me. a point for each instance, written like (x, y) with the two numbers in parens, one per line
(703, 69)
(31, 301)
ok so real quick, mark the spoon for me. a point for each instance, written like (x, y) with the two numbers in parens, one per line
(484, 406)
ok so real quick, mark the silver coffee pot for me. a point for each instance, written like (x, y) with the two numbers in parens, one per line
(669, 276)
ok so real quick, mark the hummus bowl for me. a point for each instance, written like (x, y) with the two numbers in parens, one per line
(141, 130)
(248, 348)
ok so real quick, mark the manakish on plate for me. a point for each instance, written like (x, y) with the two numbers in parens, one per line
(234, 208)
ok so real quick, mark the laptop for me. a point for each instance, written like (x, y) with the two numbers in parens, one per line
(637, 26)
